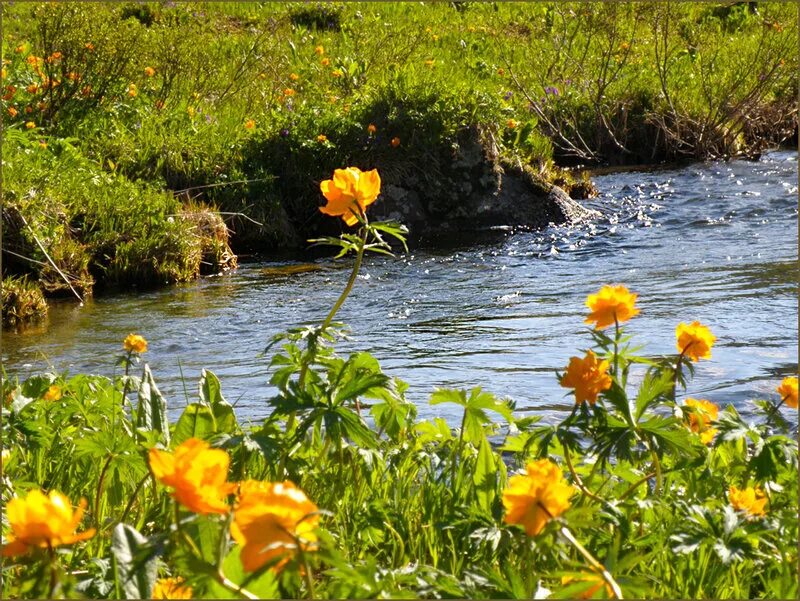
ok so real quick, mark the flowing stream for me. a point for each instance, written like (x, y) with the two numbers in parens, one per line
(712, 242)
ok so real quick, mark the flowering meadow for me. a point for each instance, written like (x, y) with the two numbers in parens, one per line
(640, 491)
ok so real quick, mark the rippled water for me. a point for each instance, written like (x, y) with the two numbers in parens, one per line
(713, 242)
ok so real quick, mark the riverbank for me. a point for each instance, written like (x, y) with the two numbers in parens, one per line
(124, 124)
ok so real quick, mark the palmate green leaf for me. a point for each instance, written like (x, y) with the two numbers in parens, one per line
(475, 407)
(654, 387)
(438, 430)
(135, 562)
(731, 427)
(358, 376)
(345, 423)
(671, 435)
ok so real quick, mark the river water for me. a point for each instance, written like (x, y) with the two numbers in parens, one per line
(711, 242)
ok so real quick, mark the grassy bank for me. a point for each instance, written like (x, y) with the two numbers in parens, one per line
(120, 115)
(640, 492)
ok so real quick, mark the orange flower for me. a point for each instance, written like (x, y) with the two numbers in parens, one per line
(86, 90)
(12, 111)
(395, 142)
(694, 340)
(270, 521)
(10, 91)
(30, 125)
(32, 88)
(319, 50)
(610, 303)
(149, 71)
(325, 62)
(132, 91)
(20, 49)
(750, 500)
(294, 76)
(53, 393)
(371, 128)
(249, 124)
(429, 62)
(700, 419)
(337, 73)
(511, 124)
(134, 343)
(788, 391)
(171, 588)
(44, 521)
(587, 377)
(288, 92)
(532, 499)
(350, 192)
(322, 138)
(89, 46)
(501, 71)
(198, 474)
(54, 57)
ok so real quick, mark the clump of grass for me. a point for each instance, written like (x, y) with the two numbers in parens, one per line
(23, 301)
(214, 236)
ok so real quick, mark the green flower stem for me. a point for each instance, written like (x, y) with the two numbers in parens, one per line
(134, 495)
(339, 302)
(577, 479)
(600, 568)
(352, 280)
(678, 370)
(233, 587)
(328, 319)
(308, 574)
(775, 408)
(53, 565)
(616, 346)
(457, 451)
(99, 491)
(636, 485)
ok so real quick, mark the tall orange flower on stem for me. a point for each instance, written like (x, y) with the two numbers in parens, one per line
(134, 343)
(534, 498)
(610, 305)
(44, 521)
(694, 340)
(198, 474)
(350, 192)
(273, 521)
(587, 376)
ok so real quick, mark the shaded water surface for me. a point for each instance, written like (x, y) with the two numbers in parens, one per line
(712, 242)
